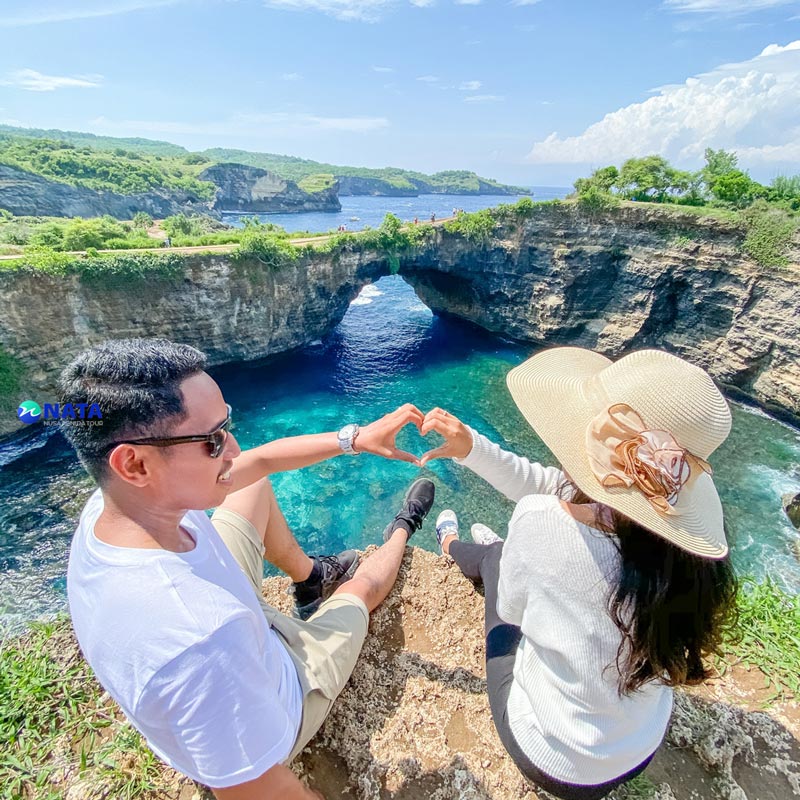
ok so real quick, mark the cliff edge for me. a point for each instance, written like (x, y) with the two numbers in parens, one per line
(413, 723)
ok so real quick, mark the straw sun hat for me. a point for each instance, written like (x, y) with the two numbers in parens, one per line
(633, 434)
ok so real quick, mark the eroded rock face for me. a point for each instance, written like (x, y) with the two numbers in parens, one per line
(25, 194)
(791, 505)
(631, 279)
(243, 188)
(414, 720)
(635, 278)
(232, 311)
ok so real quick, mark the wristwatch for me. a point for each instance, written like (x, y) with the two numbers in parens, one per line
(347, 438)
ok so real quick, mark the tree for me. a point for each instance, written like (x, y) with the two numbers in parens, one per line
(602, 179)
(718, 163)
(142, 220)
(738, 188)
(649, 178)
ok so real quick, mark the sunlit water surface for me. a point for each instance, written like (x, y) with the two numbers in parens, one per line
(388, 350)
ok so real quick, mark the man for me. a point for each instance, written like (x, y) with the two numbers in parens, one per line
(166, 603)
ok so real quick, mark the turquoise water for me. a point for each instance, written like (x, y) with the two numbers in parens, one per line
(360, 212)
(388, 350)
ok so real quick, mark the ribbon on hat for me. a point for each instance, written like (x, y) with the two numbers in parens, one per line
(623, 452)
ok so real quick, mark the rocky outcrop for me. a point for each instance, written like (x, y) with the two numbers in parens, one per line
(350, 185)
(413, 722)
(232, 310)
(791, 505)
(636, 277)
(25, 194)
(243, 188)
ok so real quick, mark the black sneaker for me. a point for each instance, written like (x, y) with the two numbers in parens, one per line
(333, 572)
(417, 504)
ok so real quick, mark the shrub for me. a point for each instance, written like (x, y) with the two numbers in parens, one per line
(181, 224)
(273, 251)
(769, 232)
(594, 200)
(477, 227)
(142, 220)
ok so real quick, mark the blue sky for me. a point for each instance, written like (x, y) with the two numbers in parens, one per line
(530, 92)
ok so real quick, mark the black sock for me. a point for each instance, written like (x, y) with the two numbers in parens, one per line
(315, 576)
(406, 526)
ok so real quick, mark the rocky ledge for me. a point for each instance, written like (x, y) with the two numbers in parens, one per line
(414, 722)
(250, 189)
(25, 194)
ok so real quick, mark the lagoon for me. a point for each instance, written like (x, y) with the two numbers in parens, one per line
(370, 211)
(389, 349)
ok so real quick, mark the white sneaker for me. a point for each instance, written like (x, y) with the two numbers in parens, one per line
(446, 525)
(483, 534)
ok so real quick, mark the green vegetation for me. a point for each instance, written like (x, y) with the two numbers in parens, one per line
(476, 227)
(53, 715)
(265, 243)
(317, 183)
(768, 215)
(121, 171)
(767, 634)
(11, 372)
(769, 232)
(178, 165)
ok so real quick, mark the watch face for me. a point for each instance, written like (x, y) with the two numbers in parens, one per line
(348, 431)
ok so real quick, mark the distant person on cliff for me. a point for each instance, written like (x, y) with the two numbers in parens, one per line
(433, 217)
(614, 579)
(166, 603)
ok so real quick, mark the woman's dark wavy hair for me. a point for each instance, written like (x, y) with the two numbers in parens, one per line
(672, 607)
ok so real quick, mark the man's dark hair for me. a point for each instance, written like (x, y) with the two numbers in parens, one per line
(136, 384)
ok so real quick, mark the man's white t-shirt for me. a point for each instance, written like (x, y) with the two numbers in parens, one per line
(180, 641)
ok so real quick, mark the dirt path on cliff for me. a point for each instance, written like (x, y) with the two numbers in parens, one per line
(208, 248)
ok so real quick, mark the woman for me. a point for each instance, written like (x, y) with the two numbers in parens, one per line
(614, 579)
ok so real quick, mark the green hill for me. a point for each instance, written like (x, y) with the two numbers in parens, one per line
(132, 165)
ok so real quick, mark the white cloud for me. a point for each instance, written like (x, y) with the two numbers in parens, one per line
(428, 79)
(468, 2)
(470, 86)
(277, 122)
(750, 107)
(291, 76)
(382, 69)
(525, 2)
(484, 98)
(41, 13)
(345, 10)
(724, 6)
(423, 3)
(33, 81)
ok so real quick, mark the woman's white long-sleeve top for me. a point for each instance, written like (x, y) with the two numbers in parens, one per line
(556, 575)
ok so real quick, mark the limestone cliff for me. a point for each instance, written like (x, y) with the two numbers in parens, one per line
(354, 185)
(243, 188)
(231, 310)
(635, 278)
(25, 194)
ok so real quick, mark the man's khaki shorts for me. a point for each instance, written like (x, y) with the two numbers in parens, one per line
(324, 647)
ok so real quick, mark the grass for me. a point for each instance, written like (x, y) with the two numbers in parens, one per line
(56, 720)
(767, 634)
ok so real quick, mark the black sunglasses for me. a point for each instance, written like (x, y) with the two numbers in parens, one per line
(215, 440)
